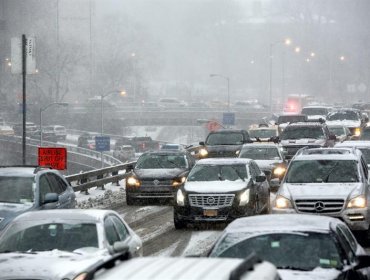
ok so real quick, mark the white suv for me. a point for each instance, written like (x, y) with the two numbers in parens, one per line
(327, 181)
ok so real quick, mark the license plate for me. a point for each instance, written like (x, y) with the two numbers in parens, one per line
(210, 213)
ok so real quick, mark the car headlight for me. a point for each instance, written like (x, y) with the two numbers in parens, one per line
(203, 152)
(357, 202)
(244, 198)
(279, 171)
(180, 198)
(357, 131)
(81, 276)
(237, 153)
(282, 202)
(133, 182)
(178, 181)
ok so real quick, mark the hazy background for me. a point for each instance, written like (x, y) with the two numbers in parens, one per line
(169, 48)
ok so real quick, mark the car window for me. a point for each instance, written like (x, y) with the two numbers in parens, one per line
(158, 161)
(260, 153)
(55, 184)
(299, 132)
(349, 236)
(110, 231)
(120, 227)
(16, 189)
(204, 172)
(347, 248)
(44, 187)
(232, 138)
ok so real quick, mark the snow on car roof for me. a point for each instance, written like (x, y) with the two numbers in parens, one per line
(354, 144)
(306, 124)
(222, 161)
(258, 145)
(347, 156)
(282, 222)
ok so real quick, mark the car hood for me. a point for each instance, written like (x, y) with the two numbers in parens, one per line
(303, 141)
(228, 148)
(317, 273)
(165, 173)
(347, 123)
(215, 186)
(267, 164)
(9, 211)
(60, 265)
(323, 190)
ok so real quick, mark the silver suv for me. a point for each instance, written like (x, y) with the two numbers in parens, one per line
(327, 181)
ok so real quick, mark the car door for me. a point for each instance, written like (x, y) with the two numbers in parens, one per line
(66, 196)
(44, 187)
(255, 188)
(262, 188)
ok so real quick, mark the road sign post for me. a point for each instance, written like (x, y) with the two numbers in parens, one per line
(102, 144)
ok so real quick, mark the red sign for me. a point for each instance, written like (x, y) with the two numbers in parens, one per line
(213, 125)
(54, 157)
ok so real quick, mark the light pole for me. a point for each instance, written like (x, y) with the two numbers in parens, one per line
(272, 45)
(228, 87)
(123, 93)
(42, 109)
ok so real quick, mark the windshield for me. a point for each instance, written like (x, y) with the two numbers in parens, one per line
(158, 161)
(67, 236)
(287, 119)
(315, 111)
(230, 138)
(365, 135)
(366, 154)
(301, 251)
(262, 133)
(343, 115)
(322, 171)
(337, 131)
(204, 172)
(16, 189)
(300, 132)
(258, 153)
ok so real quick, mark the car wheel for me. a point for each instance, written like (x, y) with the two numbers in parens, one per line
(179, 224)
(130, 200)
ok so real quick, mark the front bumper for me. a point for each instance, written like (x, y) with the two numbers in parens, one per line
(356, 218)
(152, 192)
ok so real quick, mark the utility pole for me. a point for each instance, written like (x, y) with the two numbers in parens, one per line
(24, 65)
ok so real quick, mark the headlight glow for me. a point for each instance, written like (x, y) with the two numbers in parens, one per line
(357, 131)
(237, 153)
(132, 181)
(279, 171)
(203, 152)
(357, 202)
(180, 198)
(178, 181)
(81, 276)
(244, 198)
(282, 202)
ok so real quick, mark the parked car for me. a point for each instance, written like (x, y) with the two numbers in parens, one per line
(327, 181)
(85, 231)
(176, 268)
(305, 134)
(221, 190)
(350, 118)
(157, 175)
(223, 143)
(124, 152)
(341, 132)
(300, 246)
(269, 159)
(86, 141)
(24, 189)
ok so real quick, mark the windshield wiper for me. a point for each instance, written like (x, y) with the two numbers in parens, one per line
(330, 172)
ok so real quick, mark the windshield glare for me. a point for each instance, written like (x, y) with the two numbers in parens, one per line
(302, 251)
(343, 115)
(260, 153)
(218, 173)
(16, 189)
(296, 132)
(230, 138)
(322, 171)
(49, 236)
(262, 133)
(152, 161)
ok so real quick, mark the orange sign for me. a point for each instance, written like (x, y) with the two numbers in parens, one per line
(54, 157)
(213, 125)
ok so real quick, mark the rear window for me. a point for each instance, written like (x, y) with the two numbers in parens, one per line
(299, 132)
(231, 138)
(157, 161)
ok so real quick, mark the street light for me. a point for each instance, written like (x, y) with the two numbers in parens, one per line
(272, 45)
(43, 109)
(228, 87)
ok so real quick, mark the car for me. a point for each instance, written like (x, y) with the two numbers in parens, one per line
(327, 181)
(30, 188)
(157, 175)
(124, 152)
(285, 119)
(177, 268)
(263, 133)
(5, 129)
(301, 246)
(58, 130)
(172, 147)
(85, 231)
(221, 190)
(269, 159)
(223, 143)
(341, 132)
(47, 136)
(30, 129)
(350, 118)
(86, 141)
(363, 146)
(305, 134)
(365, 135)
(315, 113)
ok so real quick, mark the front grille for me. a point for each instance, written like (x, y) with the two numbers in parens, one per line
(222, 154)
(210, 219)
(155, 182)
(155, 194)
(211, 200)
(319, 206)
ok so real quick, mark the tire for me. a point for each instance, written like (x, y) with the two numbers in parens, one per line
(179, 224)
(130, 200)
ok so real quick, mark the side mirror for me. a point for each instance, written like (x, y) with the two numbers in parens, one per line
(120, 246)
(260, 178)
(202, 143)
(51, 198)
(363, 262)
